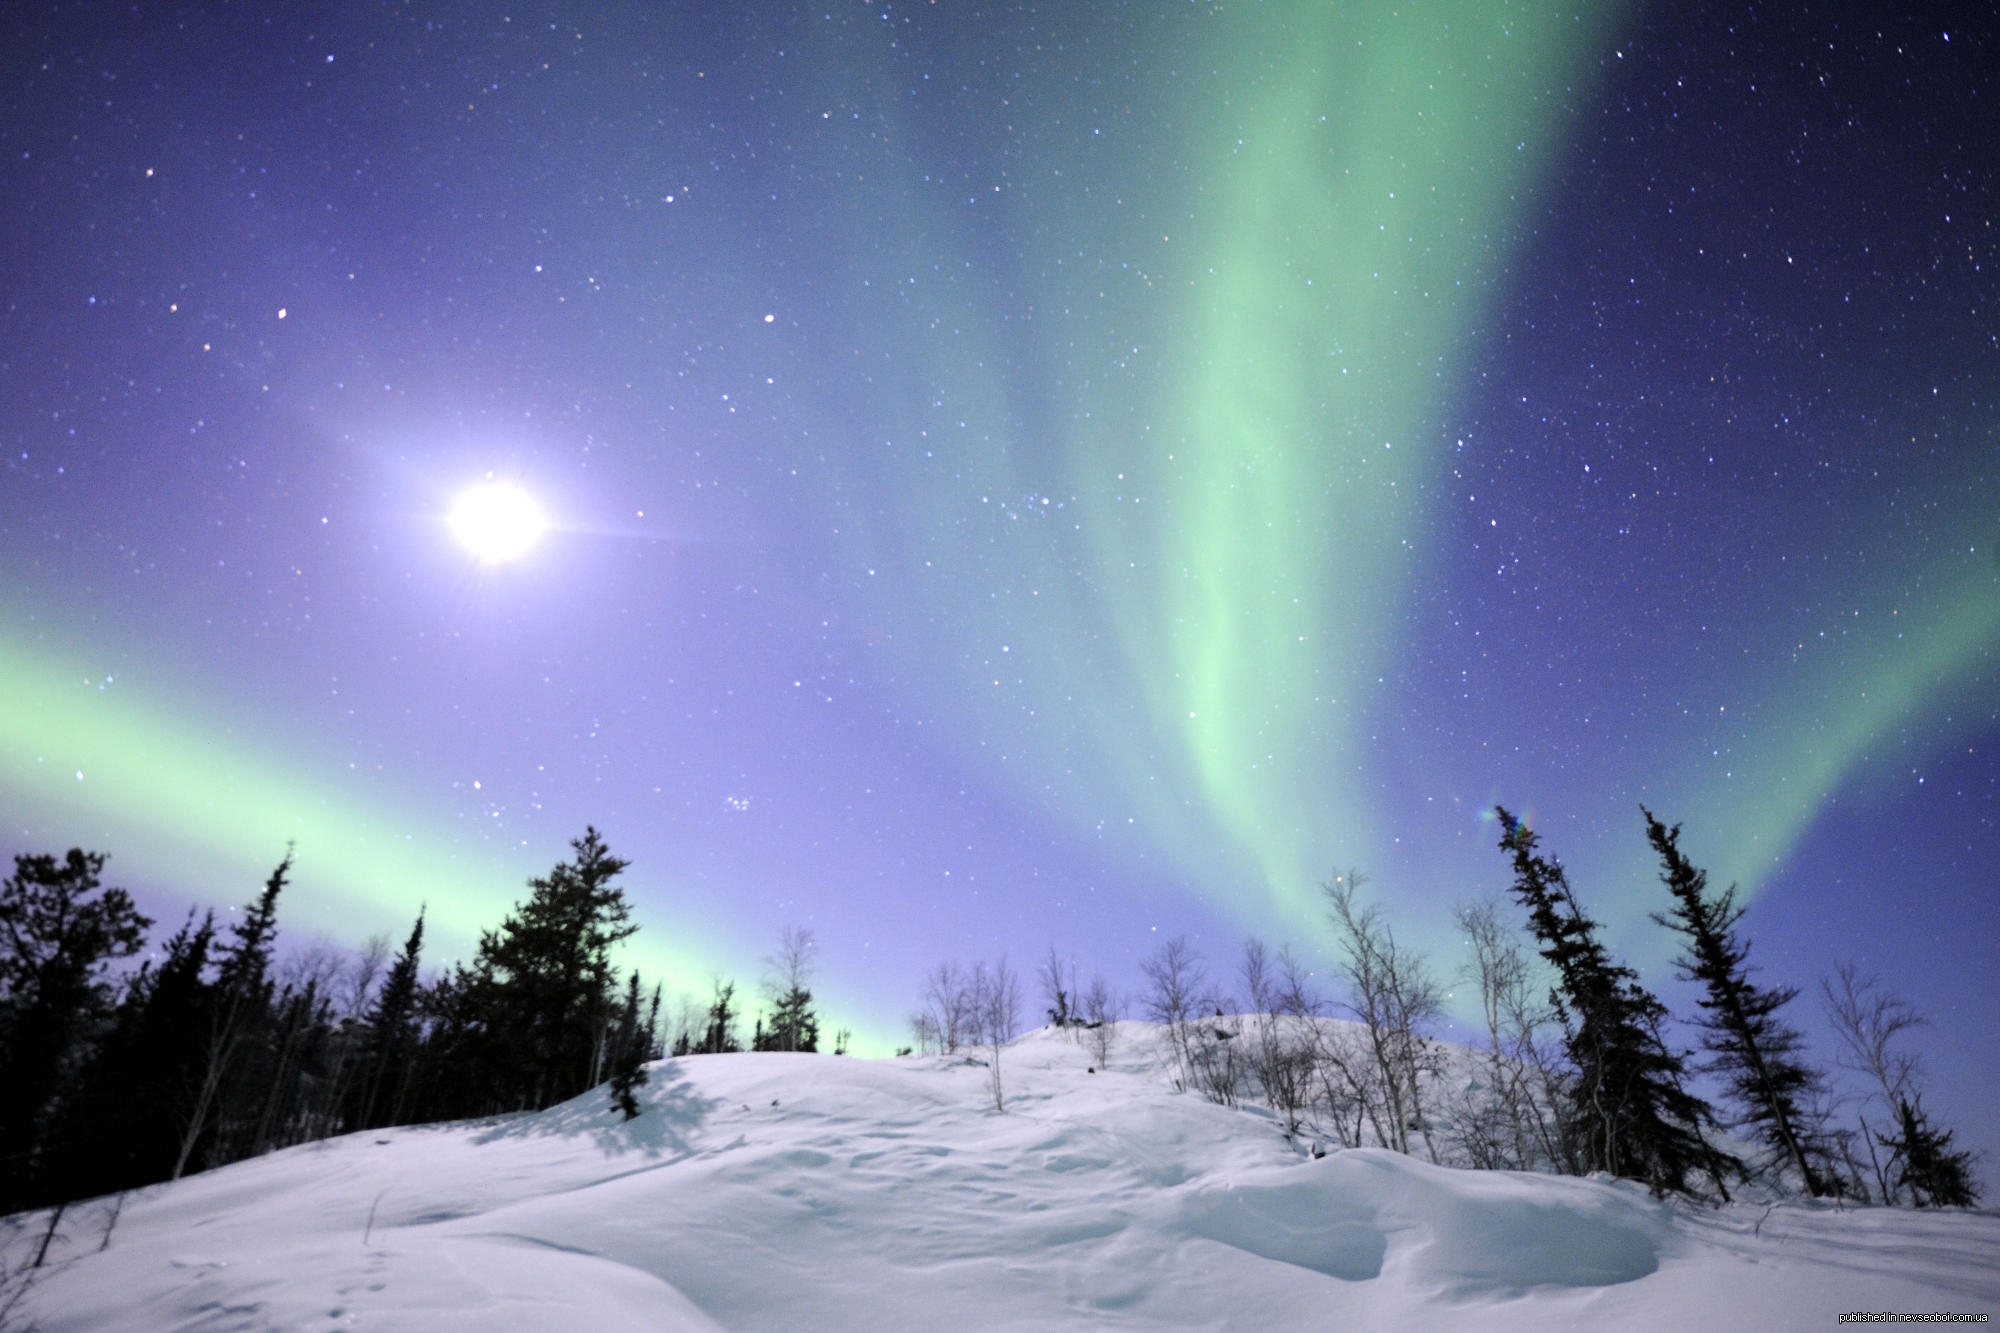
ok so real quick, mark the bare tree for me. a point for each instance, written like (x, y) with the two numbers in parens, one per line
(1061, 995)
(1281, 1044)
(1509, 1125)
(1101, 1007)
(947, 1019)
(996, 1003)
(1869, 1023)
(791, 965)
(364, 972)
(685, 1026)
(787, 986)
(1177, 990)
(1393, 994)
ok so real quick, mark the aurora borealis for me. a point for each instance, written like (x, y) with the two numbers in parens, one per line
(1067, 474)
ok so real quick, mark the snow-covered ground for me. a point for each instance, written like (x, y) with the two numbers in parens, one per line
(803, 1192)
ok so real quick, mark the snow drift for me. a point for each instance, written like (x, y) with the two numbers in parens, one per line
(814, 1192)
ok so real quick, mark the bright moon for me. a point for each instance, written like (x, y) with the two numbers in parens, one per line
(497, 521)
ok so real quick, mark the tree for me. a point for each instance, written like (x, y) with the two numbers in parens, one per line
(136, 1090)
(1870, 1023)
(1279, 1057)
(1935, 1175)
(1061, 996)
(631, 1048)
(1751, 1048)
(60, 930)
(1100, 1019)
(1393, 995)
(1510, 1127)
(996, 1002)
(947, 1019)
(1177, 992)
(1628, 1107)
(794, 1026)
(238, 1004)
(391, 1038)
(539, 991)
(719, 1038)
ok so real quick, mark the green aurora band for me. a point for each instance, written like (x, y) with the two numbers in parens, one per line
(176, 806)
(1194, 555)
(1147, 562)
(1192, 560)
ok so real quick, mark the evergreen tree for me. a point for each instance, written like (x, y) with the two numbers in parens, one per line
(237, 1017)
(446, 1075)
(538, 994)
(794, 1026)
(1630, 1109)
(285, 1086)
(631, 1047)
(136, 1090)
(719, 1038)
(391, 1037)
(1750, 1047)
(1936, 1176)
(59, 931)
(787, 985)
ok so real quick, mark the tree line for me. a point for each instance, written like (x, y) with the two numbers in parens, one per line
(1575, 1071)
(222, 1048)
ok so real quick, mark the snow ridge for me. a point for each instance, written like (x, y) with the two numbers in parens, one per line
(773, 1191)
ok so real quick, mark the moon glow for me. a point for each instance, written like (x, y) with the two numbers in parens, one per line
(497, 521)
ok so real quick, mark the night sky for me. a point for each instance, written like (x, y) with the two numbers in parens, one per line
(1052, 473)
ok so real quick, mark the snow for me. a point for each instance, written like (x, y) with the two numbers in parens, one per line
(815, 1192)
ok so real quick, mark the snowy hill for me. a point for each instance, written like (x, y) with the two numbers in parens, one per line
(812, 1192)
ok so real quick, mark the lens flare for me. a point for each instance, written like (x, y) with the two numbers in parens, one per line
(497, 521)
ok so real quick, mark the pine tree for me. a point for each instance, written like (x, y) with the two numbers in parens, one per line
(794, 1026)
(238, 1010)
(787, 977)
(1753, 1050)
(125, 1126)
(538, 994)
(1936, 1176)
(391, 1037)
(59, 931)
(631, 1047)
(720, 1036)
(1631, 1112)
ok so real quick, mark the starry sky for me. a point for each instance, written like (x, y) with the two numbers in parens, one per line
(1017, 475)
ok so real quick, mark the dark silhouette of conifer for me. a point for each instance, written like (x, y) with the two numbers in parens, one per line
(237, 1012)
(794, 1026)
(719, 1038)
(125, 1126)
(1935, 1175)
(631, 1047)
(391, 1039)
(59, 931)
(538, 994)
(1630, 1112)
(1753, 1050)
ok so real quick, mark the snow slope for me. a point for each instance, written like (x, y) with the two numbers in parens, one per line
(812, 1192)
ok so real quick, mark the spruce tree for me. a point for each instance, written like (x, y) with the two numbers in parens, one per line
(390, 1039)
(1935, 1175)
(125, 1126)
(538, 994)
(1750, 1047)
(238, 1012)
(794, 1026)
(1630, 1110)
(60, 929)
(720, 1036)
(787, 985)
(631, 1047)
